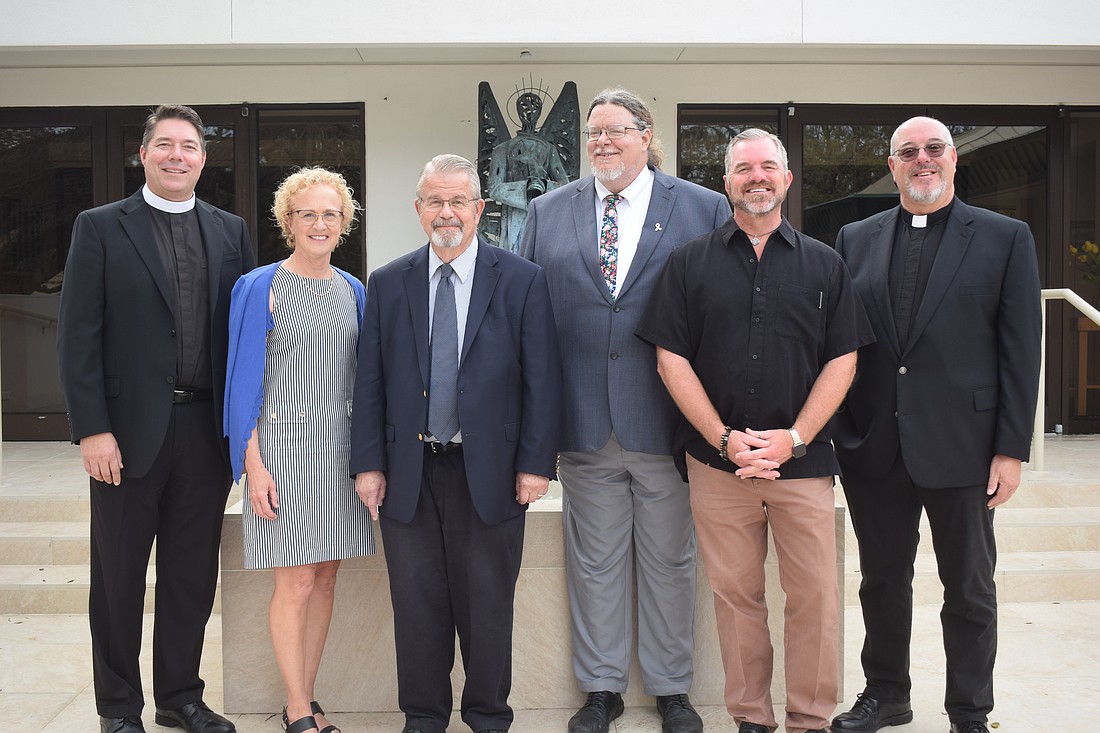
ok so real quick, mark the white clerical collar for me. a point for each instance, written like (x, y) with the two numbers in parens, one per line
(172, 207)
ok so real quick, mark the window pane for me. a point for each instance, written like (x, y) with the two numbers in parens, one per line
(293, 139)
(37, 209)
(844, 176)
(1082, 269)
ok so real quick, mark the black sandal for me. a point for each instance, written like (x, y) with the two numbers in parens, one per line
(301, 725)
(316, 707)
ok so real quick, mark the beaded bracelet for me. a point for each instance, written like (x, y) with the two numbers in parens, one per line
(723, 444)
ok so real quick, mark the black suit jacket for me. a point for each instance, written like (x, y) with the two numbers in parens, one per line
(965, 387)
(509, 382)
(116, 332)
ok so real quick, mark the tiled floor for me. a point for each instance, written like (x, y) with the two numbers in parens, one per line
(1048, 671)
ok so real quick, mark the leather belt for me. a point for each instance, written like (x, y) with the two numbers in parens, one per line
(441, 448)
(187, 396)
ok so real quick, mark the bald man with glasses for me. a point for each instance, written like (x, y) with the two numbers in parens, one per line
(939, 419)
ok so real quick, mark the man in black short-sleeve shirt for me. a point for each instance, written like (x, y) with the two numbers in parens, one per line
(758, 352)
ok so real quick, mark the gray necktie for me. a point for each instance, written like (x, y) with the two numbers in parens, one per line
(443, 391)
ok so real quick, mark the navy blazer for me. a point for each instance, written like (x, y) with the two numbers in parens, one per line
(966, 385)
(116, 338)
(509, 382)
(610, 375)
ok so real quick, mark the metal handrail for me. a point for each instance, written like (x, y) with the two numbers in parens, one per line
(1037, 446)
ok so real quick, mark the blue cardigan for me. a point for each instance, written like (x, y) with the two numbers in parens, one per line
(249, 321)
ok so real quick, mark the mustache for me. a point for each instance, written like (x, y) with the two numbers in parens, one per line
(454, 221)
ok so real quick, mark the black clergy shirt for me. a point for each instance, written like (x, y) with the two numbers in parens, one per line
(179, 242)
(757, 334)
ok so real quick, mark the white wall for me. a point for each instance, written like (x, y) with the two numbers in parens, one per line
(369, 22)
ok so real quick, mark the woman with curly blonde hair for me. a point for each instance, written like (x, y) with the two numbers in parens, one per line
(294, 326)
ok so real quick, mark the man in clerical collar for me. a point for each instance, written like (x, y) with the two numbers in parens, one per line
(939, 419)
(142, 339)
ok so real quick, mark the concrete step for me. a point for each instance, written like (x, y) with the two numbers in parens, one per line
(1021, 577)
(44, 543)
(20, 507)
(17, 506)
(46, 588)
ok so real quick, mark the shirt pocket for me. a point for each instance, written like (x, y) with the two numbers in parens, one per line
(287, 426)
(800, 313)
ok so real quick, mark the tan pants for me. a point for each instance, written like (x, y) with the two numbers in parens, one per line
(732, 516)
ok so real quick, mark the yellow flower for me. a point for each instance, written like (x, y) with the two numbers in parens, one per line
(1083, 258)
(1072, 250)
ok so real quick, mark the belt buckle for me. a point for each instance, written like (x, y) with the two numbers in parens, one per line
(182, 397)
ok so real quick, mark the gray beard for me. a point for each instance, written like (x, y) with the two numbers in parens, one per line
(927, 195)
(762, 207)
(607, 176)
(445, 241)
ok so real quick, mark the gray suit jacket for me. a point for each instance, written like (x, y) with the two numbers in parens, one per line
(610, 375)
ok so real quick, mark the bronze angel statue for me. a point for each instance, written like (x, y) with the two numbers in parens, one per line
(515, 170)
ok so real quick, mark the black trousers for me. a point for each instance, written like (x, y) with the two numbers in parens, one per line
(886, 513)
(180, 503)
(449, 572)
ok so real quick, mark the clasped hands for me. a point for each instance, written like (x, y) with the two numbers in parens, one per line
(760, 453)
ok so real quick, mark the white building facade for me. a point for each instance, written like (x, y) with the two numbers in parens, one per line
(377, 88)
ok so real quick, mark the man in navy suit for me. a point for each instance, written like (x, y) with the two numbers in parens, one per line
(939, 418)
(603, 241)
(455, 425)
(142, 339)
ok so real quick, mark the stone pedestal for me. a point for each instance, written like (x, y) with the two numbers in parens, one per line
(358, 670)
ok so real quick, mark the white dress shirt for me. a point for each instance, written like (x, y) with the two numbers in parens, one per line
(632, 211)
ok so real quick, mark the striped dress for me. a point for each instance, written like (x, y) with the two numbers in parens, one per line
(304, 428)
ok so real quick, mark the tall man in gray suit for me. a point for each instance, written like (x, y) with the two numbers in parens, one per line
(939, 418)
(603, 241)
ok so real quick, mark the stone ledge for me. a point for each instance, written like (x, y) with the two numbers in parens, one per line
(358, 670)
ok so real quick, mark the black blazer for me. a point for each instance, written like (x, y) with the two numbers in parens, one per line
(965, 388)
(509, 382)
(116, 339)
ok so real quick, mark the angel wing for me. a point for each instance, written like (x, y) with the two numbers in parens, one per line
(492, 130)
(562, 129)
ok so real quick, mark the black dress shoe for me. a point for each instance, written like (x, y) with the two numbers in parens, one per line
(970, 726)
(752, 728)
(597, 713)
(195, 717)
(868, 715)
(130, 724)
(677, 715)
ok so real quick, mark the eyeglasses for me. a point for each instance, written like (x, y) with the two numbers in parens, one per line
(459, 203)
(615, 132)
(330, 218)
(934, 150)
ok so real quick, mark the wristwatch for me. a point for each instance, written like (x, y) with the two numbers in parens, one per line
(799, 448)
